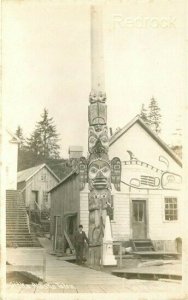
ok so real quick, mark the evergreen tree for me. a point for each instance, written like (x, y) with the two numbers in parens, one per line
(19, 134)
(43, 142)
(154, 116)
(143, 114)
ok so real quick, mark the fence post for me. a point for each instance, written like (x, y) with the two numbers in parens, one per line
(120, 259)
(102, 255)
(44, 266)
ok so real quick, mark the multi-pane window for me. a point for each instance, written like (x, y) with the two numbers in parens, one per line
(171, 209)
(45, 196)
(138, 211)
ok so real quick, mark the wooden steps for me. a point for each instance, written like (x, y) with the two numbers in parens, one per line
(17, 232)
(139, 245)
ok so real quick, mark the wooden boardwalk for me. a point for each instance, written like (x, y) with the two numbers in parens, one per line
(171, 271)
(65, 277)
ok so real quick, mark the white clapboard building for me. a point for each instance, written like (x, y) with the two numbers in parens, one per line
(148, 206)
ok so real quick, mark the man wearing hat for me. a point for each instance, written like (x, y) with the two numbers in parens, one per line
(79, 239)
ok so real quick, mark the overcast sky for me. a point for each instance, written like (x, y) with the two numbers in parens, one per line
(46, 63)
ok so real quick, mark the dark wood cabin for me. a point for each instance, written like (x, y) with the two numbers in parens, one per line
(65, 216)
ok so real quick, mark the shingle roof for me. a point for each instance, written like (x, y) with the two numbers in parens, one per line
(73, 172)
(24, 175)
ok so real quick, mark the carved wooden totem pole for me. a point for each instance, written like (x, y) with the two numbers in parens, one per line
(96, 170)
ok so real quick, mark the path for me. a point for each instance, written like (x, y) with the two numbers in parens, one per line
(65, 277)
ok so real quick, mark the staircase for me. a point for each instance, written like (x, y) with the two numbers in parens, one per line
(17, 232)
(142, 245)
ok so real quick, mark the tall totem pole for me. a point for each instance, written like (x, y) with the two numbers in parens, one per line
(97, 170)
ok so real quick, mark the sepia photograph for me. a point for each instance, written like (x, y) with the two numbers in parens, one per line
(92, 126)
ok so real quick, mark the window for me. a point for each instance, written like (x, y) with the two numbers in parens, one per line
(43, 177)
(171, 209)
(138, 211)
(45, 196)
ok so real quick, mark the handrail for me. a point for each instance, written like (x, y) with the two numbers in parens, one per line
(38, 207)
(27, 185)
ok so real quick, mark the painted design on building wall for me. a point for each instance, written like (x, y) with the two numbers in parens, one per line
(132, 156)
(171, 181)
(142, 175)
(116, 172)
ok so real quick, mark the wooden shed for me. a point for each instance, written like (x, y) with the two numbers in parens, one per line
(34, 183)
(65, 212)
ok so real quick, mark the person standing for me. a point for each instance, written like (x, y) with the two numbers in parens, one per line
(79, 240)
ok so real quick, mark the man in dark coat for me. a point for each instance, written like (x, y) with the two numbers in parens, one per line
(79, 239)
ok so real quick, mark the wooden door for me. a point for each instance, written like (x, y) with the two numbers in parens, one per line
(72, 227)
(34, 200)
(139, 226)
(57, 240)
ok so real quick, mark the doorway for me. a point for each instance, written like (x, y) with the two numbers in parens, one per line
(71, 227)
(57, 234)
(139, 222)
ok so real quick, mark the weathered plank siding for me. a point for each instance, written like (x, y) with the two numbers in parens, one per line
(84, 213)
(121, 220)
(42, 181)
(65, 200)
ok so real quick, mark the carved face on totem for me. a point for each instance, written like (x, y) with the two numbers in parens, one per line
(97, 97)
(97, 114)
(99, 174)
(98, 199)
(98, 140)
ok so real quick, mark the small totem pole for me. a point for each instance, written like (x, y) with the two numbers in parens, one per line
(96, 170)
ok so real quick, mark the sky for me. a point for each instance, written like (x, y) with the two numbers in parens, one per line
(46, 63)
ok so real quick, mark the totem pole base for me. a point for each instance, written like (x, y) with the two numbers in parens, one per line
(94, 257)
(108, 258)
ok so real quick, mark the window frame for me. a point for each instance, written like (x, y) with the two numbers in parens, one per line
(45, 198)
(164, 209)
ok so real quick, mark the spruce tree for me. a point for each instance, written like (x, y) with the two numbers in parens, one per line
(43, 142)
(154, 116)
(19, 134)
(143, 114)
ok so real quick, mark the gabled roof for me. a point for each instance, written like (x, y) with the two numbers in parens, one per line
(138, 120)
(64, 179)
(26, 174)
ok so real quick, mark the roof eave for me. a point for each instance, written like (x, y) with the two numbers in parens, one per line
(155, 137)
